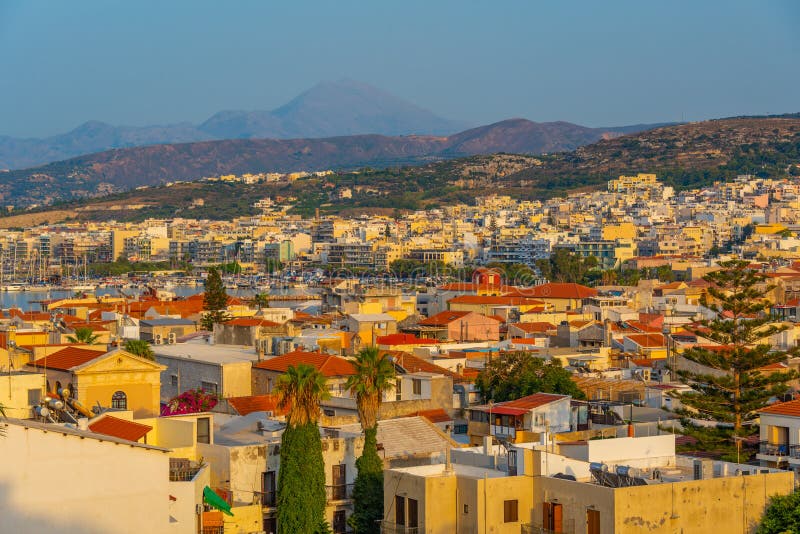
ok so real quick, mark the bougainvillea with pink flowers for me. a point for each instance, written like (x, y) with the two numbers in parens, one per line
(191, 401)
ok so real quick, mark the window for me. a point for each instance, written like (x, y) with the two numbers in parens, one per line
(510, 511)
(328, 412)
(552, 516)
(466, 508)
(209, 387)
(119, 400)
(339, 522)
(400, 510)
(412, 513)
(34, 396)
(268, 488)
(173, 380)
(203, 430)
(398, 389)
(416, 386)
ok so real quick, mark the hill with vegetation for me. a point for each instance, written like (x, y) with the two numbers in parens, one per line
(685, 156)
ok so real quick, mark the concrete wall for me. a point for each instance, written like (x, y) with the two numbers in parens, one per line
(191, 374)
(61, 483)
(14, 389)
(187, 495)
(236, 379)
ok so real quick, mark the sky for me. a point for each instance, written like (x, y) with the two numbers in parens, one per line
(589, 62)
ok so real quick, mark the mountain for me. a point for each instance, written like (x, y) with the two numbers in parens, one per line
(328, 109)
(332, 109)
(685, 156)
(121, 169)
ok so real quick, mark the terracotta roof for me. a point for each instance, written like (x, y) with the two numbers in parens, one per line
(66, 359)
(256, 403)
(647, 340)
(557, 291)
(643, 327)
(413, 364)
(524, 340)
(791, 408)
(437, 415)
(443, 318)
(120, 428)
(247, 321)
(327, 364)
(404, 339)
(495, 300)
(533, 401)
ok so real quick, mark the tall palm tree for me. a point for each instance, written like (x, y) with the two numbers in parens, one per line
(139, 347)
(374, 375)
(301, 478)
(85, 335)
(302, 389)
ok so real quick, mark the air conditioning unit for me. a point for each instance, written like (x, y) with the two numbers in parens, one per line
(173, 338)
(158, 340)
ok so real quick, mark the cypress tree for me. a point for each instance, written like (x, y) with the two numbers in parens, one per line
(215, 300)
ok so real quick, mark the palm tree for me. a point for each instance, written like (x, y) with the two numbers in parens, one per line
(139, 347)
(301, 478)
(84, 335)
(374, 375)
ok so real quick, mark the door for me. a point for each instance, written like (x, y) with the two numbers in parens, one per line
(412, 513)
(592, 521)
(339, 522)
(552, 516)
(268, 488)
(339, 482)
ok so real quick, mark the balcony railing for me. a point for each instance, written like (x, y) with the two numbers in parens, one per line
(268, 499)
(339, 492)
(773, 449)
(388, 527)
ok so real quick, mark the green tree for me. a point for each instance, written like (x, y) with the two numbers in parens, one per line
(374, 375)
(301, 479)
(517, 374)
(261, 300)
(84, 335)
(566, 266)
(782, 515)
(139, 347)
(215, 300)
(734, 388)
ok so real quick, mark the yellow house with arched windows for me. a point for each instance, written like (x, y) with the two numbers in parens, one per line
(115, 379)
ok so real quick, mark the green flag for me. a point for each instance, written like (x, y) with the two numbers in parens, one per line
(210, 497)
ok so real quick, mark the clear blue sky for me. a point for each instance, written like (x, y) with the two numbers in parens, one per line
(595, 63)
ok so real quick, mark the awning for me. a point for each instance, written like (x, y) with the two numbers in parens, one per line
(212, 499)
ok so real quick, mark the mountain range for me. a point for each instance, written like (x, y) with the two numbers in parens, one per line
(329, 109)
(125, 168)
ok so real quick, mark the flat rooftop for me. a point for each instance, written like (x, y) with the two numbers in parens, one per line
(216, 353)
(461, 470)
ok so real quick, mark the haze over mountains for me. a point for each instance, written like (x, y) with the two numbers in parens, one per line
(329, 109)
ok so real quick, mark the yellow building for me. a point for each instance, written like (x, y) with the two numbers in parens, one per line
(115, 379)
(627, 184)
(619, 485)
(613, 232)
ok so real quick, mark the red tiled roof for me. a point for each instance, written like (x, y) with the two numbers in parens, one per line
(413, 364)
(327, 364)
(120, 428)
(66, 359)
(437, 415)
(533, 401)
(535, 327)
(443, 318)
(495, 300)
(791, 408)
(256, 403)
(404, 339)
(647, 340)
(554, 290)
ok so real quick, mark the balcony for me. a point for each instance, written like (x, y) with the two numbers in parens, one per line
(267, 499)
(773, 449)
(388, 527)
(339, 492)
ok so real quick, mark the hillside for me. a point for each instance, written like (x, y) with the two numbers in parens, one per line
(685, 155)
(120, 169)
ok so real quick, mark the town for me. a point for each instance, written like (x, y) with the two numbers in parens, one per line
(611, 361)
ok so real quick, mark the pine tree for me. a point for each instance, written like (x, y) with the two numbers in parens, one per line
(735, 386)
(215, 300)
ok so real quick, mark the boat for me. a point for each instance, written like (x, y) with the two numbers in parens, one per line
(14, 287)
